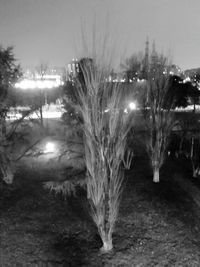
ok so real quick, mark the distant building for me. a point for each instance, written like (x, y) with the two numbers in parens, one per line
(31, 79)
(72, 69)
(175, 70)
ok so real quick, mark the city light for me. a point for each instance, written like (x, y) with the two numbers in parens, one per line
(187, 79)
(38, 84)
(49, 112)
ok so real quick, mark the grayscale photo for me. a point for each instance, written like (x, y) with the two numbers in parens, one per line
(99, 133)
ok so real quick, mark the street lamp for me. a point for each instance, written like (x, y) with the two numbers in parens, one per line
(132, 106)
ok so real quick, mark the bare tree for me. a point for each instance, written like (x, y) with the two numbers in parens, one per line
(105, 129)
(42, 70)
(158, 113)
(9, 73)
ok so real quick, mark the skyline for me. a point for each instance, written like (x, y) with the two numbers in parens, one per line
(48, 30)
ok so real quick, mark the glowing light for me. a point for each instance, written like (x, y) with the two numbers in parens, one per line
(132, 105)
(49, 148)
(49, 112)
(140, 80)
(47, 83)
(25, 84)
(187, 79)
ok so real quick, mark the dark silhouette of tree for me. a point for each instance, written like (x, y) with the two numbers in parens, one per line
(133, 67)
(193, 86)
(178, 92)
(9, 73)
(71, 87)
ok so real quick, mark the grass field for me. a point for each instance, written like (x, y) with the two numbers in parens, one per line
(158, 224)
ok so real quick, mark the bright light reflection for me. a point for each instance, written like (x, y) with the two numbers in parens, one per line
(49, 148)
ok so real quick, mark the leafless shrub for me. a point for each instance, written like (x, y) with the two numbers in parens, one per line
(66, 188)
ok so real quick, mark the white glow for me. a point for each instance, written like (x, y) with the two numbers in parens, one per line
(38, 83)
(13, 116)
(49, 148)
(140, 80)
(187, 79)
(132, 105)
(34, 115)
(49, 112)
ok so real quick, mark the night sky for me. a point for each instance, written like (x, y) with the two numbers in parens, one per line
(49, 30)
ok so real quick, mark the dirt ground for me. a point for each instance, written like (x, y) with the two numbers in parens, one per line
(158, 225)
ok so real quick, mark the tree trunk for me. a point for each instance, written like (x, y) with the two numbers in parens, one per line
(195, 169)
(194, 108)
(107, 243)
(7, 174)
(3, 126)
(156, 175)
(41, 116)
(104, 226)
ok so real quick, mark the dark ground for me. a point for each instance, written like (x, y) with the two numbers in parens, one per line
(158, 225)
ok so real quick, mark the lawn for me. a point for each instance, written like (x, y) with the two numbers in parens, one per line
(158, 224)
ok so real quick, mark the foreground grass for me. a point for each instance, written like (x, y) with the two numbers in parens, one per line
(158, 225)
